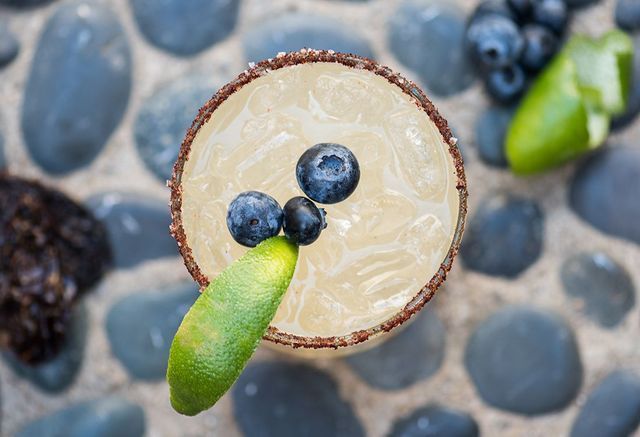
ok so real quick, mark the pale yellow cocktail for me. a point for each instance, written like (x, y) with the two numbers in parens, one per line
(382, 244)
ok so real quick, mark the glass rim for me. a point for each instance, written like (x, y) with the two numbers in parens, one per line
(304, 56)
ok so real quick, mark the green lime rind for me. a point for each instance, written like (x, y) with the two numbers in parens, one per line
(224, 326)
(568, 110)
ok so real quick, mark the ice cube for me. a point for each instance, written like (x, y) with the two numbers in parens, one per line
(419, 152)
(349, 99)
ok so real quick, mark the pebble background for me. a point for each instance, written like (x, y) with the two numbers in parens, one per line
(534, 334)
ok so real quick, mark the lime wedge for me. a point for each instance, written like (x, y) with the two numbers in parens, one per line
(568, 109)
(551, 124)
(224, 326)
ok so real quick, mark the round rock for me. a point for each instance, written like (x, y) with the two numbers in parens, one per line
(491, 129)
(294, 31)
(435, 421)
(78, 86)
(428, 37)
(580, 3)
(414, 354)
(138, 227)
(504, 237)
(9, 46)
(612, 409)
(602, 287)
(282, 399)
(525, 361)
(59, 373)
(24, 3)
(141, 327)
(185, 28)
(604, 192)
(627, 15)
(164, 119)
(107, 417)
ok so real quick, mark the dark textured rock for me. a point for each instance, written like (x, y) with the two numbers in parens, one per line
(414, 354)
(604, 192)
(525, 361)
(633, 105)
(281, 399)
(435, 421)
(491, 128)
(78, 87)
(52, 250)
(428, 37)
(603, 287)
(56, 375)
(295, 31)
(9, 46)
(504, 237)
(185, 28)
(628, 15)
(107, 417)
(138, 227)
(164, 119)
(612, 409)
(141, 327)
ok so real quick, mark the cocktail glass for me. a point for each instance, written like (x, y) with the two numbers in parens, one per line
(388, 247)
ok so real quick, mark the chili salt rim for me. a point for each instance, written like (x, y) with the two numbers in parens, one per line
(350, 60)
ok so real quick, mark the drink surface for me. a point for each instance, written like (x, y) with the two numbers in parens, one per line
(382, 244)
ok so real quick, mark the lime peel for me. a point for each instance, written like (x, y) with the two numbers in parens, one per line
(224, 326)
(568, 110)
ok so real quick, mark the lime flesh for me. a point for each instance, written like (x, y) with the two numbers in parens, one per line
(224, 326)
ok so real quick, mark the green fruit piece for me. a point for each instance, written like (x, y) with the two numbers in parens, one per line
(224, 326)
(549, 127)
(568, 110)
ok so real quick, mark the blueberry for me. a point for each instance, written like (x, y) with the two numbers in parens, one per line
(521, 8)
(492, 7)
(303, 220)
(328, 173)
(552, 14)
(253, 217)
(506, 84)
(628, 15)
(494, 41)
(540, 46)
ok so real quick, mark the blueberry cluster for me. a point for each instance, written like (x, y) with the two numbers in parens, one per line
(512, 40)
(328, 173)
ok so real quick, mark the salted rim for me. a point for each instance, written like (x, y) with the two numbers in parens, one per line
(305, 56)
